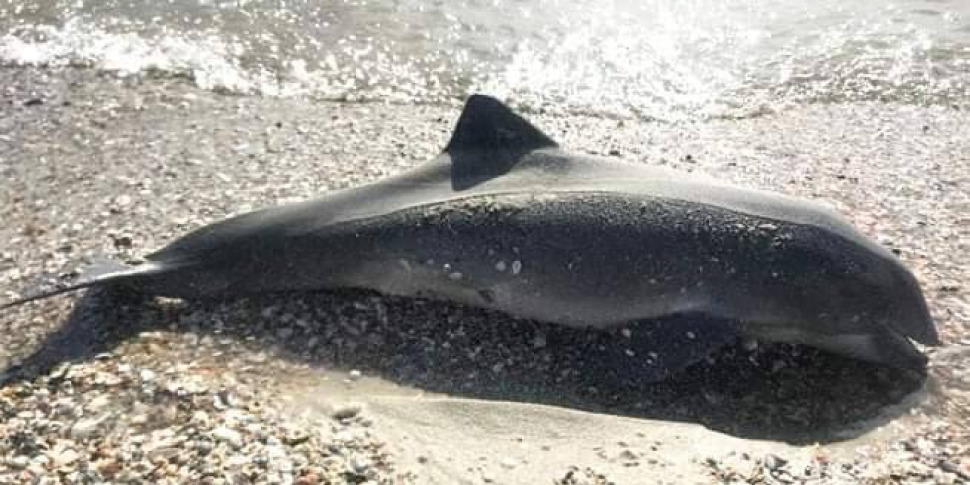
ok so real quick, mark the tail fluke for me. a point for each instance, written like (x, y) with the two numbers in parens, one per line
(100, 273)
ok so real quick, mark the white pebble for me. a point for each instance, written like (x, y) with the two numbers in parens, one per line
(200, 418)
(359, 463)
(275, 452)
(346, 411)
(516, 266)
(86, 428)
(500, 266)
(227, 435)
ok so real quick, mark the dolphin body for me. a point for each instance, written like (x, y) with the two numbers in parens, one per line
(504, 219)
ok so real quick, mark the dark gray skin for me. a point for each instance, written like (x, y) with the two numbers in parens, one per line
(506, 220)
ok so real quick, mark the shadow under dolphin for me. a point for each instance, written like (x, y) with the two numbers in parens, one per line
(794, 394)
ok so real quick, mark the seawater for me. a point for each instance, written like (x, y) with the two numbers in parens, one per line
(657, 59)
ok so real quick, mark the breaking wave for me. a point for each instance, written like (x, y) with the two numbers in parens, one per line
(699, 58)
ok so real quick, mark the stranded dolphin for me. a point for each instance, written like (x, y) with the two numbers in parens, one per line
(505, 219)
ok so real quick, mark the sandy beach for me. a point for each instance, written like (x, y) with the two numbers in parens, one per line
(354, 387)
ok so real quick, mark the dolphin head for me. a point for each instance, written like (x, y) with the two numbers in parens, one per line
(844, 294)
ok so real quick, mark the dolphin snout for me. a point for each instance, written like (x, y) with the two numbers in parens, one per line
(924, 331)
(916, 317)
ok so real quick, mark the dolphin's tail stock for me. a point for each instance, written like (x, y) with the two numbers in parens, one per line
(100, 273)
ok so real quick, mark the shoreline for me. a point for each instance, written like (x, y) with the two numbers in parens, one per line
(101, 167)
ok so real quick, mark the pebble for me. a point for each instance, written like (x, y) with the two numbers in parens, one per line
(951, 467)
(203, 446)
(227, 435)
(200, 418)
(359, 464)
(99, 403)
(163, 454)
(308, 479)
(107, 379)
(88, 427)
(346, 411)
(774, 462)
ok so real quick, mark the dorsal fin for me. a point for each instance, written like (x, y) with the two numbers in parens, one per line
(488, 140)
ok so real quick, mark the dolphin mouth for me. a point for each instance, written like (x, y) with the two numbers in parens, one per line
(885, 348)
(927, 333)
(930, 337)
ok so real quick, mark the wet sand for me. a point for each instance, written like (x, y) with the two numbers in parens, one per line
(395, 390)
